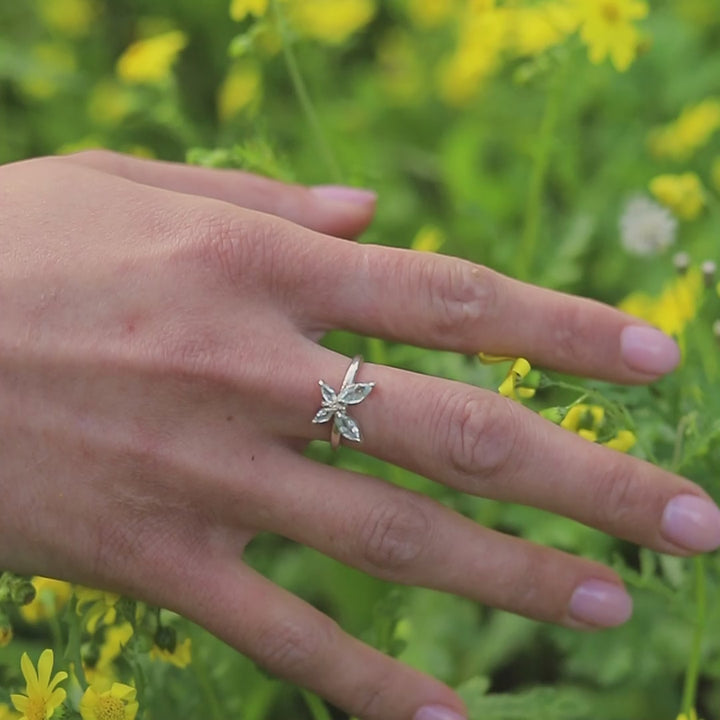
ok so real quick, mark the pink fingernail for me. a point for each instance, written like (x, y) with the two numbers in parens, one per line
(600, 603)
(649, 350)
(436, 712)
(342, 193)
(692, 522)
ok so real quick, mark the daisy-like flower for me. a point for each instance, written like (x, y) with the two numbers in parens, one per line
(7, 713)
(180, 655)
(42, 694)
(607, 29)
(117, 703)
(97, 606)
(646, 228)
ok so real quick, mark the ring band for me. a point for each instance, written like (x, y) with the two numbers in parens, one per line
(334, 405)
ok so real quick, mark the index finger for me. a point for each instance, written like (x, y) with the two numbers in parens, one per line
(446, 303)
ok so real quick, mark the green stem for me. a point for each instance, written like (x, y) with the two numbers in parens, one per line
(317, 708)
(533, 207)
(208, 690)
(692, 674)
(303, 96)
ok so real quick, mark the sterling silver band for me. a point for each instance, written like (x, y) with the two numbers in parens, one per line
(334, 405)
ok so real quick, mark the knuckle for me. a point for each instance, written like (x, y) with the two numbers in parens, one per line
(395, 534)
(481, 434)
(291, 648)
(459, 294)
(615, 496)
(95, 157)
(238, 247)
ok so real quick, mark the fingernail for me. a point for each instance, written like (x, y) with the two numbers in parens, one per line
(436, 712)
(601, 603)
(342, 193)
(692, 522)
(649, 350)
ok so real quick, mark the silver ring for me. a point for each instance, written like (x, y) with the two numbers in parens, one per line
(334, 405)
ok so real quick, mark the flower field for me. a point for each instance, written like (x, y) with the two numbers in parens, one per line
(573, 144)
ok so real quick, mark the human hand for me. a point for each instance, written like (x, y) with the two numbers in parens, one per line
(158, 379)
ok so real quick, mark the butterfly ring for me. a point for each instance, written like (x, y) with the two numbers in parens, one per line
(334, 405)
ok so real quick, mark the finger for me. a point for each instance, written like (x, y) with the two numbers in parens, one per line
(294, 641)
(481, 443)
(442, 302)
(406, 537)
(334, 210)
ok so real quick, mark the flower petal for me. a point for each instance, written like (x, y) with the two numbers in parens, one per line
(123, 692)
(20, 702)
(347, 427)
(59, 677)
(45, 665)
(323, 415)
(328, 394)
(29, 672)
(355, 393)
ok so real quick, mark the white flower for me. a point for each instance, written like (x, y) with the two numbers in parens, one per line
(646, 228)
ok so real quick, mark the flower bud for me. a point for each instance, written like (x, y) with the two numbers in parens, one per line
(554, 414)
(681, 261)
(709, 268)
(16, 589)
(6, 631)
(166, 638)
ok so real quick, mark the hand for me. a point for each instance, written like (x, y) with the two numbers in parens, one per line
(158, 379)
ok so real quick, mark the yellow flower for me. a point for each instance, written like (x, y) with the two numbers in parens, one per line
(51, 596)
(97, 606)
(607, 29)
(623, 441)
(180, 657)
(428, 239)
(430, 13)
(683, 194)
(151, 60)
(676, 306)
(117, 703)
(511, 385)
(42, 696)
(7, 713)
(69, 17)
(584, 417)
(330, 21)
(109, 102)
(240, 9)
(240, 90)
(474, 61)
(115, 639)
(537, 28)
(691, 131)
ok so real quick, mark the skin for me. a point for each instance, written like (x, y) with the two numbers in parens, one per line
(159, 361)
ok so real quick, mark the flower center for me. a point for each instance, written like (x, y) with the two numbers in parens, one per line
(36, 708)
(109, 708)
(610, 12)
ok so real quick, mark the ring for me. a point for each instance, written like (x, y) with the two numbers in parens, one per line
(334, 405)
